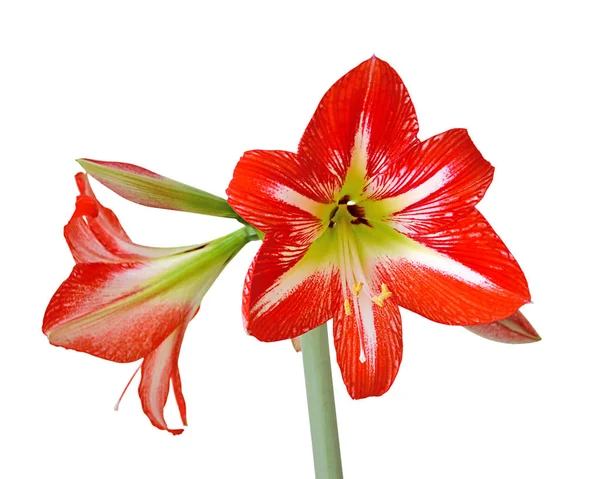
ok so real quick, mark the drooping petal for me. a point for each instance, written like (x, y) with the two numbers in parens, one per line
(94, 233)
(514, 330)
(120, 312)
(289, 290)
(434, 184)
(363, 121)
(147, 188)
(368, 366)
(463, 275)
(271, 191)
(159, 370)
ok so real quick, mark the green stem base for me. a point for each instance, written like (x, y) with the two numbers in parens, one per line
(321, 404)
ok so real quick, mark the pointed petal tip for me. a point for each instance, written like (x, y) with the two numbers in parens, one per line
(515, 329)
(83, 162)
(356, 395)
(297, 344)
(374, 59)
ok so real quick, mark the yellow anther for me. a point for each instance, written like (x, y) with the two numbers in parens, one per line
(357, 287)
(385, 294)
(347, 306)
(377, 300)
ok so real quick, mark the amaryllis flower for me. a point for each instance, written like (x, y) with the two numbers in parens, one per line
(124, 302)
(366, 218)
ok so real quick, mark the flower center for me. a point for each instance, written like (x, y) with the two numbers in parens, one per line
(348, 209)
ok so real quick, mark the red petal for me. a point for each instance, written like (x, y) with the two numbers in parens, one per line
(286, 293)
(94, 233)
(515, 330)
(466, 276)
(434, 184)
(370, 101)
(369, 369)
(270, 191)
(104, 310)
(158, 370)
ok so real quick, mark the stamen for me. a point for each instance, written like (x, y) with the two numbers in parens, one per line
(385, 294)
(355, 210)
(377, 300)
(360, 221)
(357, 287)
(333, 212)
(347, 306)
(116, 408)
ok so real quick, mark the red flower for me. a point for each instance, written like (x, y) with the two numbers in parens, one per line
(124, 302)
(366, 218)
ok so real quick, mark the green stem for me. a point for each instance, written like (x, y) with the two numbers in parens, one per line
(321, 404)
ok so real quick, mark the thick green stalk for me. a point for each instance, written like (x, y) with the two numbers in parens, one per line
(321, 404)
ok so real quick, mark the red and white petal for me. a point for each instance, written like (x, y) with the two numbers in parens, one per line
(368, 344)
(120, 312)
(83, 243)
(463, 275)
(514, 330)
(289, 290)
(272, 191)
(94, 233)
(434, 184)
(159, 370)
(147, 188)
(364, 120)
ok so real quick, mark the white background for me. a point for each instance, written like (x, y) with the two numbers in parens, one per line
(184, 89)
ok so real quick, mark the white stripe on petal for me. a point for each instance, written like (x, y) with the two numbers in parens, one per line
(415, 252)
(292, 197)
(358, 163)
(425, 189)
(291, 280)
(367, 319)
(351, 274)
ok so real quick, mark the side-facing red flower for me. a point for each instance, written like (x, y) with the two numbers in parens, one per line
(124, 302)
(366, 218)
